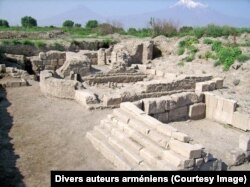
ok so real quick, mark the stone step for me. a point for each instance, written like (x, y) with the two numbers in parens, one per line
(101, 144)
(153, 134)
(145, 124)
(187, 150)
(177, 160)
(142, 139)
(136, 113)
(133, 158)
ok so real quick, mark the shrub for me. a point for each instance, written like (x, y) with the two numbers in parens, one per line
(78, 25)
(186, 29)
(16, 42)
(227, 56)
(110, 28)
(243, 58)
(28, 42)
(132, 31)
(91, 24)
(198, 32)
(163, 27)
(28, 21)
(4, 23)
(68, 23)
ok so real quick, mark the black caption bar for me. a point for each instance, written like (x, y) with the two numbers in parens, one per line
(79, 178)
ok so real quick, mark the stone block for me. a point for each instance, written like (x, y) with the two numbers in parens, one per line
(178, 114)
(201, 87)
(154, 105)
(85, 97)
(184, 99)
(185, 149)
(2, 68)
(101, 57)
(241, 121)
(111, 100)
(235, 157)
(10, 70)
(181, 137)
(197, 111)
(162, 117)
(131, 108)
(219, 108)
(244, 142)
(219, 83)
(169, 103)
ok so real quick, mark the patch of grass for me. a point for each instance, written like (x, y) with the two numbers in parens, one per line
(227, 56)
(207, 41)
(108, 41)
(243, 58)
(190, 58)
(180, 51)
(189, 44)
(40, 44)
(28, 42)
(16, 42)
(246, 44)
(209, 54)
(181, 63)
(58, 46)
(6, 42)
(216, 45)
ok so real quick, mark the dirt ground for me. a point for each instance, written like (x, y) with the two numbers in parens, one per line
(218, 139)
(39, 134)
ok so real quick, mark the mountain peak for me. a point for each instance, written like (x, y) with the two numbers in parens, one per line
(190, 4)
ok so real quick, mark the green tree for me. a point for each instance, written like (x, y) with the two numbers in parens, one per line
(28, 21)
(4, 23)
(68, 23)
(91, 24)
(77, 25)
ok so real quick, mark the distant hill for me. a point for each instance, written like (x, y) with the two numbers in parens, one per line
(79, 14)
(180, 14)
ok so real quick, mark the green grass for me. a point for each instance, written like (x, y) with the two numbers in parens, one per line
(207, 41)
(188, 44)
(57, 46)
(243, 58)
(181, 51)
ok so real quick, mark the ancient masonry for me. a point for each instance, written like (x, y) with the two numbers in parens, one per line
(136, 135)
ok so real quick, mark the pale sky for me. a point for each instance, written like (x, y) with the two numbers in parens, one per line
(13, 10)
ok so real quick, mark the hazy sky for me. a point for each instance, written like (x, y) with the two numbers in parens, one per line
(12, 10)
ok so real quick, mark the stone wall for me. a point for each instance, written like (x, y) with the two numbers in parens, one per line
(181, 106)
(60, 88)
(224, 111)
(133, 140)
(50, 60)
(77, 63)
(114, 77)
(127, 53)
(180, 83)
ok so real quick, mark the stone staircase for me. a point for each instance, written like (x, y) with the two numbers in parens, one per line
(132, 140)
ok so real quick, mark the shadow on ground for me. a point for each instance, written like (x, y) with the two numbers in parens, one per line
(10, 176)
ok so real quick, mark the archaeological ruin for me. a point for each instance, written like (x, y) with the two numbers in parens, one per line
(145, 102)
